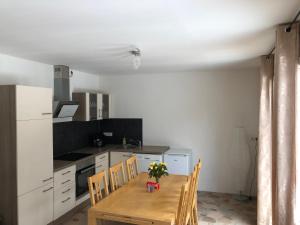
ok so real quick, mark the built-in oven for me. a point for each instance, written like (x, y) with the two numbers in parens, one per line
(84, 169)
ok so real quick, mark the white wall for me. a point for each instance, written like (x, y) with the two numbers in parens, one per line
(192, 110)
(25, 72)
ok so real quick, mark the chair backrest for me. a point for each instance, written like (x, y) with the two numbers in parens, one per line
(132, 167)
(183, 204)
(198, 168)
(96, 182)
(117, 176)
(192, 192)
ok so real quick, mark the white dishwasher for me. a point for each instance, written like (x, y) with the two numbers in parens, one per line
(179, 161)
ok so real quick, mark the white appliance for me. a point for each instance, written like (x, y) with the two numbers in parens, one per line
(144, 161)
(179, 161)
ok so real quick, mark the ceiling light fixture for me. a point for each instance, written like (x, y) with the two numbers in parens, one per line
(136, 60)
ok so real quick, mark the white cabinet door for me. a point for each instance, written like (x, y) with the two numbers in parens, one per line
(36, 207)
(33, 103)
(99, 106)
(177, 164)
(116, 157)
(144, 161)
(34, 154)
(142, 166)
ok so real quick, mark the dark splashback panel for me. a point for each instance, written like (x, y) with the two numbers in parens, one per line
(129, 128)
(70, 136)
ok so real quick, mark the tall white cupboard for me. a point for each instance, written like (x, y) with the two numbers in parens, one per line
(26, 155)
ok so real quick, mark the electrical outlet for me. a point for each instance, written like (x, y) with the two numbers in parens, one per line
(108, 134)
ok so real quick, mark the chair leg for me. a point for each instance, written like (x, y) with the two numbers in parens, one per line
(195, 215)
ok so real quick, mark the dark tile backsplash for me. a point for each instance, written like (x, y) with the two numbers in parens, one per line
(70, 136)
(129, 128)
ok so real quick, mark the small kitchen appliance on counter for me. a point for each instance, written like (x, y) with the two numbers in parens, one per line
(98, 140)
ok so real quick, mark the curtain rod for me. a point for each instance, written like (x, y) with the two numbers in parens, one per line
(288, 29)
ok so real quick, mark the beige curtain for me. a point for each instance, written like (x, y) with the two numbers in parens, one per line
(278, 131)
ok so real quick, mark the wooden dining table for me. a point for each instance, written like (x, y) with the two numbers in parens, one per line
(133, 204)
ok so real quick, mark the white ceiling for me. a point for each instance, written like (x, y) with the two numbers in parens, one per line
(173, 35)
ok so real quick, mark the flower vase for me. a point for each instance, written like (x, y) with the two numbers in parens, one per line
(157, 180)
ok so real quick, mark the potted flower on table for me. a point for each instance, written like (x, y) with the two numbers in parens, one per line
(157, 170)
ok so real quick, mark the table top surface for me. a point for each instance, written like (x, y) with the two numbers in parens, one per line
(133, 200)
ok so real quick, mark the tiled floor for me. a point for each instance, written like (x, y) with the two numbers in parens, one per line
(221, 209)
(213, 209)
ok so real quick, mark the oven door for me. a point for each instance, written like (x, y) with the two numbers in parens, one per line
(82, 180)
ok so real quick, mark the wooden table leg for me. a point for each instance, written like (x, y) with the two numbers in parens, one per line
(91, 218)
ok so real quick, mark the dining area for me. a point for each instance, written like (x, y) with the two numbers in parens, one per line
(122, 194)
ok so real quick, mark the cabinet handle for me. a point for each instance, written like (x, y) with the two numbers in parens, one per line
(65, 181)
(147, 158)
(126, 155)
(66, 172)
(50, 178)
(175, 160)
(99, 166)
(66, 200)
(103, 157)
(66, 191)
(44, 114)
(47, 189)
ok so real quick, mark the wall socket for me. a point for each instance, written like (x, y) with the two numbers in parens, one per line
(108, 134)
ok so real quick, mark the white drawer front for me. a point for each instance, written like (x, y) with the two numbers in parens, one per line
(177, 164)
(62, 193)
(103, 158)
(63, 205)
(64, 177)
(101, 166)
(154, 158)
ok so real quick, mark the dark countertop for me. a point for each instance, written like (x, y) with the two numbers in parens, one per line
(143, 150)
(60, 164)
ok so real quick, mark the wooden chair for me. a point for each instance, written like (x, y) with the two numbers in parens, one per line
(95, 183)
(194, 198)
(132, 168)
(115, 179)
(183, 204)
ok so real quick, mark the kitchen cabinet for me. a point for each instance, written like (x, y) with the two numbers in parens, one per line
(64, 177)
(92, 106)
(101, 163)
(64, 191)
(179, 161)
(105, 106)
(26, 155)
(116, 157)
(34, 154)
(144, 161)
(33, 102)
(36, 207)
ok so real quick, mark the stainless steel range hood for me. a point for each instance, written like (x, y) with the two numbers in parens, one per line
(63, 107)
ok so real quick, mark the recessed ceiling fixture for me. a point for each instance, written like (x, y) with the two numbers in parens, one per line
(136, 60)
